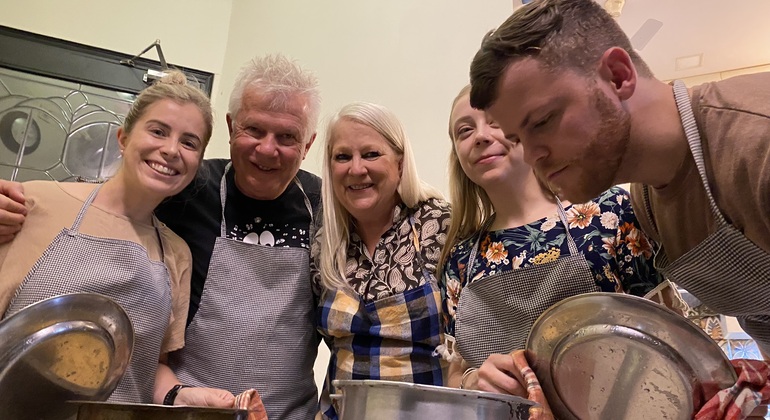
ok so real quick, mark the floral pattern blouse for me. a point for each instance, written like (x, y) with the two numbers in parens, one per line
(395, 266)
(605, 230)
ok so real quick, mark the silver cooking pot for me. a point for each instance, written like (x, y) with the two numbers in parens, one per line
(387, 400)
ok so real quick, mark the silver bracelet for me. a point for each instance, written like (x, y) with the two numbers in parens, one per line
(465, 376)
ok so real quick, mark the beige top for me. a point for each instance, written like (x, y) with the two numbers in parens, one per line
(52, 206)
(733, 118)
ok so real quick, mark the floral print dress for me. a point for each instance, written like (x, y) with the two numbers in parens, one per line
(605, 230)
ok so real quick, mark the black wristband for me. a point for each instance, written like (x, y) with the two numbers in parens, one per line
(171, 394)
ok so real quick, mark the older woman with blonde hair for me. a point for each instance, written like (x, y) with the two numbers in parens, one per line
(375, 256)
(514, 249)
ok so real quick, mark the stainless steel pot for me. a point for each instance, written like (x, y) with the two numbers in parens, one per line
(387, 400)
(88, 410)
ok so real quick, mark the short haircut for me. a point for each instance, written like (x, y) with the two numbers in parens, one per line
(282, 80)
(559, 34)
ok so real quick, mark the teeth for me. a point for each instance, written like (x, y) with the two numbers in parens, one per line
(360, 186)
(162, 169)
(264, 168)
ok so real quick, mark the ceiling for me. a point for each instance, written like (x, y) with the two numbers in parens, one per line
(730, 34)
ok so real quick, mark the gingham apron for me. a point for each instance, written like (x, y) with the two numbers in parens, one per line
(392, 338)
(119, 269)
(496, 312)
(727, 272)
(255, 326)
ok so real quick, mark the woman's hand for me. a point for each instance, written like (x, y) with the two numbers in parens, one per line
(12, 210)
(499, 374)
(205, 397)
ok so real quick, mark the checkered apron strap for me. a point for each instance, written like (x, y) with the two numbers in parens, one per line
(727, 272)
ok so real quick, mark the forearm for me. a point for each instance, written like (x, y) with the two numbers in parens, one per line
(165, 379)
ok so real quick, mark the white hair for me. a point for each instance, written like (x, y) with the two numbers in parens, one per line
(282, 80)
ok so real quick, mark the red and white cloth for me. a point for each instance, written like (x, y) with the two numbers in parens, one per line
(251, 401)
(738, 401)
(534, 390)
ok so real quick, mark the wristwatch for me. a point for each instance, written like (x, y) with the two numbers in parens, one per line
(171, 394)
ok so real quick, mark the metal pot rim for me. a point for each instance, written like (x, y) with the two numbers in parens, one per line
(463, 393)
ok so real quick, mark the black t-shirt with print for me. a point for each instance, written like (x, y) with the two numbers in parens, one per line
(195, 214)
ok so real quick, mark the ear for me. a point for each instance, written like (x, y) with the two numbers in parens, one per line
(616, 67)
(229, 124)
(307, 146)
(401, 167)
(122, 139)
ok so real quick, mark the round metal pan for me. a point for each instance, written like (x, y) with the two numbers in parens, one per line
(389, 400)
(68, 347)
(617, 356)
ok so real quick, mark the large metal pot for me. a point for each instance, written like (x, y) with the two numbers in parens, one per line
(88, 410)
(387, 400)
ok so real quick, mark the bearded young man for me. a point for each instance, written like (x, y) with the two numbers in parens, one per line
(562, 78)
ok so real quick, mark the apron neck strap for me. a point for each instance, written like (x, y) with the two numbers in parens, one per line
(682, 98)
(90, 199)
(223, 199)
(87, 203)
(485, 226)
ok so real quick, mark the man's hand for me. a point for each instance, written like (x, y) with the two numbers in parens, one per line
(205, 397)
(499, 374)
(12, 209)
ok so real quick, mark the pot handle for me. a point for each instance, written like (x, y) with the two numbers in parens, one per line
(336, 396)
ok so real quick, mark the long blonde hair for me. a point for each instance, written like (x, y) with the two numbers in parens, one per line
(334, 235)
(471, 205)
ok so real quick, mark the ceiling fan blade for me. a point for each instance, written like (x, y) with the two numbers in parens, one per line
(643, 36)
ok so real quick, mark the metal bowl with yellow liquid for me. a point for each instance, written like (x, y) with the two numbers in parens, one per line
(68, 347)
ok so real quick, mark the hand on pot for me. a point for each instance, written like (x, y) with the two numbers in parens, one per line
(205, 397)
(499, 374)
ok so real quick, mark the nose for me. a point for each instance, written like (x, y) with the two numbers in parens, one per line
(170, 149)
(483, 134)
(267, 145)
(357, 166)
(534, 152)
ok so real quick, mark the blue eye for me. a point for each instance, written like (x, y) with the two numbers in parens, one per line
(371, 155)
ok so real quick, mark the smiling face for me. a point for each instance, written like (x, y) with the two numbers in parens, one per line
(365, 170)
(268, 146)
(164, 148)
(485, 156)
(574, 133)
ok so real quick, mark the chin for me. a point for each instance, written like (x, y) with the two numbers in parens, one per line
(581, 195)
